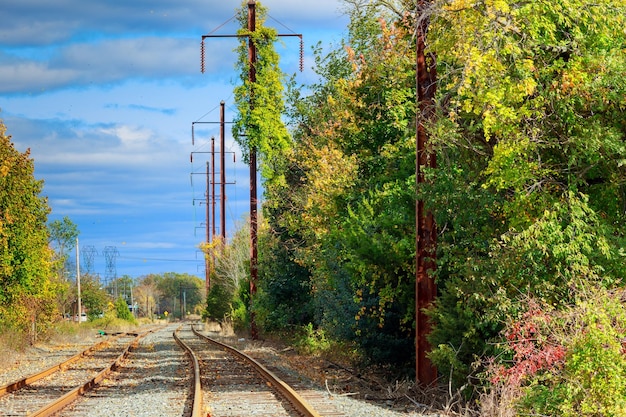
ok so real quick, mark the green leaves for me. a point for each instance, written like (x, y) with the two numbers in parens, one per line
(528, 112)
(259, 125)
(528, 193)
(25, 288)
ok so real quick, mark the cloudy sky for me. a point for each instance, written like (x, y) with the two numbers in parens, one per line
(104, 93)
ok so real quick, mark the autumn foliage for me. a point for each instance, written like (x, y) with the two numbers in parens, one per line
(26, 290)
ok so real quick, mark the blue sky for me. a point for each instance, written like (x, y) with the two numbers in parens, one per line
(104, 94)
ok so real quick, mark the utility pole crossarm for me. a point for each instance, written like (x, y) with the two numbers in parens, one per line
(203, 54)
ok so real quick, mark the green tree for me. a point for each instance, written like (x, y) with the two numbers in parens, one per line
(530, 117)
(341, 231)
(218, 303)
(94, 298)
(26, 291)
(179, 289)
(122, 287)
(62, 237)
(122, 311)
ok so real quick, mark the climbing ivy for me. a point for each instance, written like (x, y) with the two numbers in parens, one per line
(259, 125)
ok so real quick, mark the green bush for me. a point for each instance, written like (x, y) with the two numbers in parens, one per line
(592, 379)
(217, 304)
(239, 315)
(571, 362)
(122, 311)
(310, 340)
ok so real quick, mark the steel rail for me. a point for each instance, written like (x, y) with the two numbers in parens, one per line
(299, 403)
(196, 410)
(14, 386)
(66, 399)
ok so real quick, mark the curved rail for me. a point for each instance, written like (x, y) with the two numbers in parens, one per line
(66, 399)
(299, 403)
(196, 410)
(14, 386)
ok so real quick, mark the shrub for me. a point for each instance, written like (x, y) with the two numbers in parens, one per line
(239, 315)
(217, 304)
(569, 363)
(310, 340)
(122, 311)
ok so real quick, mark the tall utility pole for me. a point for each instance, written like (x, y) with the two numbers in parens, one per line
(222, 174)
(426, 229)
(252, 59)
(207, 264)
(254, 270)
(79, 303)
(207, 201)
(212, 187)
(210, 196)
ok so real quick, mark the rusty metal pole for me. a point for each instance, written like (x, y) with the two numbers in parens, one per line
(207, 264)
(213, 225)
(254, 333)
(252, 58)
(222, 175)
(426, 233)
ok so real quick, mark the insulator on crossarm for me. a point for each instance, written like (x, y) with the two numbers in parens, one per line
(202, 56)
(301, 54)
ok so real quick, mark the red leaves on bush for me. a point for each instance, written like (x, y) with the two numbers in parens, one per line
(532, 350)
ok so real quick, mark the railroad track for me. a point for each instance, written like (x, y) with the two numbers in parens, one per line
(46, 392)
(154, 380)
(157, 377)
(234, 384)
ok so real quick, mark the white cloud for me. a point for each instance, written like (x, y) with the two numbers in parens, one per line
(104, 93)
(42, 22)
(111, 61)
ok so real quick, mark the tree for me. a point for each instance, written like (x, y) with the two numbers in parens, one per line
(341, 232)
(230, 278)
(218, 303)
(122, 287)
(26, 291)
(62, 237)
(122, 311)
(532, 129)
(178, 290)
(147, 296)
(94, 298)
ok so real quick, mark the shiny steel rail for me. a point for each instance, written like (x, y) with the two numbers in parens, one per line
(299, 403)
(64, 400)
(196, 409)
(14, 386)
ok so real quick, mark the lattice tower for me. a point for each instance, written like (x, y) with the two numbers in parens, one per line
(110, 254)
(89, 253)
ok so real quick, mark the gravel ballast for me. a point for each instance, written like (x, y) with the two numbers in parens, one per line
(154, 381)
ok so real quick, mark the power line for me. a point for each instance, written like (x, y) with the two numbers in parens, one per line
(159, 259)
